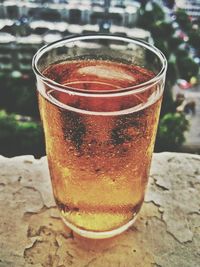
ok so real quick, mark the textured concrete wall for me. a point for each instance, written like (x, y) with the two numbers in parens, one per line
(166, 233)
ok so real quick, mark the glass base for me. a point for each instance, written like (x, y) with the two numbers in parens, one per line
(99, 235)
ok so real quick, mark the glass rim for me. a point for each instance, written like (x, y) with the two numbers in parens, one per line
(133, 89)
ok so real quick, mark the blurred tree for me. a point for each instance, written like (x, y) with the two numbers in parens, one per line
(172, 125)
(168, 104)
(174, 42)
(30, 138)
(149, 15)
(163, 45)
(187, 67)
(161, 29)
(143, 3)
(169, 3)
(172, 71)
(194, 39)
(183, 20)
(17, 137)
(180, 52)
(18, 94)
(170, 135)
(7, 134)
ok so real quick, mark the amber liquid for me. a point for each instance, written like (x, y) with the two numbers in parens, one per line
(99, 148)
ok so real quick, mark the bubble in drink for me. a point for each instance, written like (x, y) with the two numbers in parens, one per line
(99, 148)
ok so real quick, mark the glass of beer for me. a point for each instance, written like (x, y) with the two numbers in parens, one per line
(99, 100)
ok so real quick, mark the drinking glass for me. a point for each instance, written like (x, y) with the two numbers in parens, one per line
(99, 100)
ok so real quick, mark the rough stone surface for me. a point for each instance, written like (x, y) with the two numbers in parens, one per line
(166, 233)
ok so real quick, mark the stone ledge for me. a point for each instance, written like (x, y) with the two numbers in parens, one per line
(166, 233)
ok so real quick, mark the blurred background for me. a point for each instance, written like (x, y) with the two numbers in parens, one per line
(26, 25)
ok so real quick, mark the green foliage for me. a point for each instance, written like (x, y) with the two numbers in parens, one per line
(162, 29)
(183, 20)
(163, 34)
(174, 43)
(187, 67)
(17, 137)
(181, 53)
(172, 71)
(148, 18)
(19, 94)
(170, 3)
(168, 104)
(171, 132)
(194, 39)
(172, 125)
(163, 46)
(143, 3)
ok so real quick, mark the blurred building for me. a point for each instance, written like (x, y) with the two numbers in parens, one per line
(27, 25)
(76, 12)
(191, 7)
